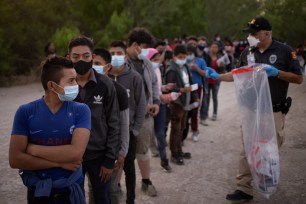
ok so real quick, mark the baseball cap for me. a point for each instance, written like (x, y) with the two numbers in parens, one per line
(257, 24)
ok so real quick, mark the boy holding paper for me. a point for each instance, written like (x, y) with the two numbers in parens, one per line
(179, 74)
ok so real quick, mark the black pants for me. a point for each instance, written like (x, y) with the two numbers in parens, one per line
(99, 188)
(129, 170)
(58, 198)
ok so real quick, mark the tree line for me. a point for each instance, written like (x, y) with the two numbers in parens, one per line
(27, 26)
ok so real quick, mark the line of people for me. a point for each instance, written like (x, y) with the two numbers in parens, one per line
(104, 109)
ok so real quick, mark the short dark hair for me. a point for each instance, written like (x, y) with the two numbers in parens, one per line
(179, 49)
(52, 70)
(192, 38)
(159, 43)
(202, 38)
(104, 54)
(81, 41)
(118, 43)
(46, 48)
(215, 43)
(140, 35)
(168, 55)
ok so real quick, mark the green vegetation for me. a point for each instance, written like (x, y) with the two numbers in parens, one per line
(27, 26)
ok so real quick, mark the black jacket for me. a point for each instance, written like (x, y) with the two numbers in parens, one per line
(102, 100)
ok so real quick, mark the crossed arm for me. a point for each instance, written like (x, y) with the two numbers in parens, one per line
(26, 156)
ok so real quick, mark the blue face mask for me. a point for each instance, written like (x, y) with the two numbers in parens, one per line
(155, 65)
(98, 68)
(70, 94)
(143, 54)
(180, 62)
(117, 61)
(190, 57)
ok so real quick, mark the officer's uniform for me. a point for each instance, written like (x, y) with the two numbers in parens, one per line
(283, 58)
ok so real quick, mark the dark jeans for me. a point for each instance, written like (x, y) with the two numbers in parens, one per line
(100, 189)
(195, 113)
(178, 123)
(129, 170)
(214, 88)
(159, 129)
(59, 198)
(204, 107)
(186, 130)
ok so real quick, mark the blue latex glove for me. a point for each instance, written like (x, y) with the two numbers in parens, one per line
(271, 71)
(211, 73)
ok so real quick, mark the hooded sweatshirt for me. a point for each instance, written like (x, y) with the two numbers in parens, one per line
(133, 83)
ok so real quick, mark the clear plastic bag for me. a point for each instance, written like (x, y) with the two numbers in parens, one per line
(259, 136)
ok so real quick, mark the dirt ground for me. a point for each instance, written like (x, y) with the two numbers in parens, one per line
(208, 176)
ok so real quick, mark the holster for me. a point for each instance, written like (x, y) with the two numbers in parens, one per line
(284, 106)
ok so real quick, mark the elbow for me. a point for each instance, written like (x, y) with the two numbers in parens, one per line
(13, 163)
(77, 155)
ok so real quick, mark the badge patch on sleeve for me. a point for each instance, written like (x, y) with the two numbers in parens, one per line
(293, 54)
(273, 59)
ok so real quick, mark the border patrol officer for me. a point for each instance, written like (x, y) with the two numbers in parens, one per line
(283, 69)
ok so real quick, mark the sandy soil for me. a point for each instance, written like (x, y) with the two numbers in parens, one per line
(208, 176)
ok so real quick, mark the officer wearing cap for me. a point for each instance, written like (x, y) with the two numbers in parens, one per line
(283, 69)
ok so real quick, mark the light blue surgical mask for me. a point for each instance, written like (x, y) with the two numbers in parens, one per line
(155, 65)
(70, 94)
(180, 62)
(117, 61)
(189, 57)
(143, 54)
(98, 68)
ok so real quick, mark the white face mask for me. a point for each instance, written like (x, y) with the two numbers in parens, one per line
(253, 42)
(98, 68)
(117, 61)
(70, 94)
(155, 65)
(143, 54)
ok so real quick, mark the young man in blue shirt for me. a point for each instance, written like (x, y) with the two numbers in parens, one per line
(49, 138)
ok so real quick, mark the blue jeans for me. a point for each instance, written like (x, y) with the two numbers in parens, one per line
(99, 188)
(204, 107)
(159, 129)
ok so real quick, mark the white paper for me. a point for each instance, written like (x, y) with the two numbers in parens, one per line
(223, 60)
(194, 87)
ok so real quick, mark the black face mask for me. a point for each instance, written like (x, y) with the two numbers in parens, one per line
(81, 67)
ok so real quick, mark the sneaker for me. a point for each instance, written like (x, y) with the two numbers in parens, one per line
(177, 160)
(154, 153)
(204, 122)
(165, 165)
(195, 136)
(239, 196)
(185, 155)
(149, 188)
(214, 117)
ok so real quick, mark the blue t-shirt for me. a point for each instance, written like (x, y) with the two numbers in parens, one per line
(42, 127)
(196, 77)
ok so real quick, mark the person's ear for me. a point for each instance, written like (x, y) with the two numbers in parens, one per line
(51, 86)
(93, 56)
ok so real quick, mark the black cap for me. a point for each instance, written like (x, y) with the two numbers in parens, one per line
(257, 24)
